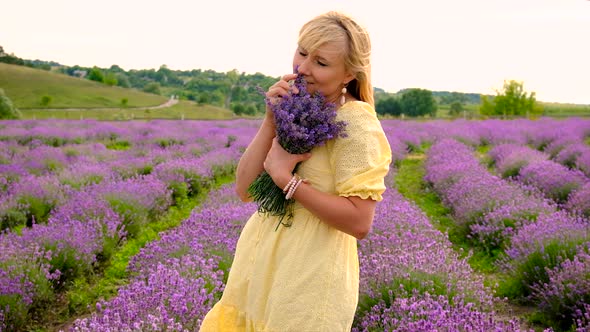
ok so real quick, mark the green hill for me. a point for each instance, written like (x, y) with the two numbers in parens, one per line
(184, 109)
(26, 87)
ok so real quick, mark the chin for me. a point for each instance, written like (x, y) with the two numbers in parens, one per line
(311, 89)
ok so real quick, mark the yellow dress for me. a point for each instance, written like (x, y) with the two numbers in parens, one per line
(305, 277)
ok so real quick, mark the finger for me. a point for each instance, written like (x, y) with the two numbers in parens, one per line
(283, 85)
(281, 88)
(304, 156)
(289, 77)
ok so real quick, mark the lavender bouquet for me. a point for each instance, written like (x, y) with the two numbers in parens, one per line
(303, 121)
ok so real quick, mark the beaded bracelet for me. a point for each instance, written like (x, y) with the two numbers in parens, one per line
(290, 183)
(293, 188)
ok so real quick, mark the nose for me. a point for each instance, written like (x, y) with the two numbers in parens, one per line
(303, 67)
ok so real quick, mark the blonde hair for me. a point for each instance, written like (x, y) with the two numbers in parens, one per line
(335, 26)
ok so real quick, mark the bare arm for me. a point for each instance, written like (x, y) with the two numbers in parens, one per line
(352, 215)
(251, 162)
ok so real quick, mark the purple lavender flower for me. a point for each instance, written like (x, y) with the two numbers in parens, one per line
(553, 179)
(303, 121)
(583, 162)
(570, 153)
(511, 158)
(542, 245)
(564, 298)
(579, 201)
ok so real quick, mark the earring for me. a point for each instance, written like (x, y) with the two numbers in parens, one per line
(343, 96)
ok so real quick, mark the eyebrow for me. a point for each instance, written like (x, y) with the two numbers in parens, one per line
(322, 58)
(317, 56)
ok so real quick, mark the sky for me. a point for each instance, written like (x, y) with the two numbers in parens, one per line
(451, 45)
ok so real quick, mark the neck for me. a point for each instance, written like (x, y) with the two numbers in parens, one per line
(337, 98)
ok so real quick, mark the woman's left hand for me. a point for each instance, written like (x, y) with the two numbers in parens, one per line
(279, 163)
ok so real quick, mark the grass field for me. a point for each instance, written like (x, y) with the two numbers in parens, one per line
(182, 110)
(566, 110)
(27, 86)
(554, 110)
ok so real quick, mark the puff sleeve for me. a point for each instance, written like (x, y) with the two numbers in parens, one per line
(361, 160)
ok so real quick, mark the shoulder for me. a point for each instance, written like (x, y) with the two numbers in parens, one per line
(357, 106)
(358, 114)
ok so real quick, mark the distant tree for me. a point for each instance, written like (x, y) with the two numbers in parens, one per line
(512, 101)
(456, 108)
(188, 95)
(153, 87)
(389, 106)
(38, 64)
(217, 98)
(10, 58)
(450, 97)
(46, 100)
(110, 79)
(418, 102)
(122, 80)
(250, 109)
(116, 69)
(238, 108)
(96, 75)
(7, 109)
(204, 98)
(487, 107)
(233, 76)
(238, 93)
(242, 109)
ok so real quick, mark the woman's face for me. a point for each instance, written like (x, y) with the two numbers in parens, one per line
(324, 69)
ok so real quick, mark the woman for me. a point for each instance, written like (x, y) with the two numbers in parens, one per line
(305, 277)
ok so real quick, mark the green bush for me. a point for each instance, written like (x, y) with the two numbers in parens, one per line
(12, 218)
(37, 209)
(46, 100)
(134, 216)
(118, 145)
(30, 276)
(179, 191)
(533, 269)
(7, 109)
(68, 262)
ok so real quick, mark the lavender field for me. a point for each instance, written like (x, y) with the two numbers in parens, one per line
(513, 252)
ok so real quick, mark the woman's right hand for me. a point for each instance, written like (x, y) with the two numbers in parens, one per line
(280, 89)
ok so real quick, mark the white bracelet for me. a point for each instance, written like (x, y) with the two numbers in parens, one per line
(293, 189)
(290, 192)
(290, 183)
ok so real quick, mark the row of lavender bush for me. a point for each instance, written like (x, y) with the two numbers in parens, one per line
(542, 250)
(63, 159)
(569, 187)
(411, 279)
(66, 208)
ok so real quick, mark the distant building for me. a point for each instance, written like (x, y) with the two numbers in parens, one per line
(80, 73)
